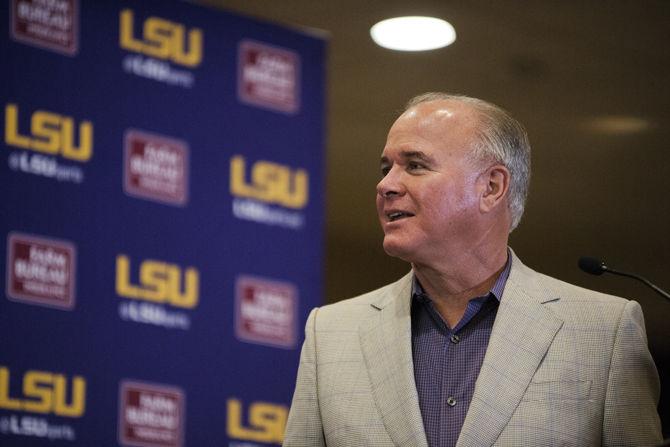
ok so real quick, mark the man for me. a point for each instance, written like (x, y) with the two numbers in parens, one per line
(471, 348)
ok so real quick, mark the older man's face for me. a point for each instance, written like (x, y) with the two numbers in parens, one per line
(428, 199)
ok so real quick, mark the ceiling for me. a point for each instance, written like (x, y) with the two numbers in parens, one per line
(556, 66)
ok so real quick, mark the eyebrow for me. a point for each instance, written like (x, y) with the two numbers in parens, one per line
(412, 154)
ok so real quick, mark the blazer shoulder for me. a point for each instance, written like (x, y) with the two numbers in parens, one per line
(550, 288)
(572, 293)
(352, 311)
(570, 302)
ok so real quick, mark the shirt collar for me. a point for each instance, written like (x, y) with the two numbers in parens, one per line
(496, 290)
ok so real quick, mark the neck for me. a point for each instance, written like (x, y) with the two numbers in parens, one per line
(460, 278)
(453, 282)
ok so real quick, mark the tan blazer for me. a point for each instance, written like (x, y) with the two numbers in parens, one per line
(564, 366)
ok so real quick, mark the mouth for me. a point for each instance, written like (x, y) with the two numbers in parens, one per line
(397, 215)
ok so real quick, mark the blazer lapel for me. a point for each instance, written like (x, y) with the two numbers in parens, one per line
(387, 349)
(522, 333)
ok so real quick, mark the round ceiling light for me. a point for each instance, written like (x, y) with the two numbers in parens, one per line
(618, 124)
(413, 33)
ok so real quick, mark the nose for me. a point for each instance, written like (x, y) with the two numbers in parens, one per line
(390, 185)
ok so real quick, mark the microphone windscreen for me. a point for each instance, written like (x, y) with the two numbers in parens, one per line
(591, 265)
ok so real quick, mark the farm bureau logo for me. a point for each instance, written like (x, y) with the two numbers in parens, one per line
(160, 286)
(43, 394)
(41, 271)
(161, 44)
(151, 415)
(268, 76)
(262, 422)
(271, 194)
(48, 24)
(155, 167)
(52, 136)
(266, 311)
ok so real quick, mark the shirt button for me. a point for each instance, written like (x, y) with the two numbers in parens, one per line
(451, 401)
(455, 338)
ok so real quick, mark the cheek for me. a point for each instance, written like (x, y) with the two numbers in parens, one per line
(445, 206)
(380, 204)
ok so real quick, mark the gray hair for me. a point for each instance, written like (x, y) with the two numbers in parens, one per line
(501, 138)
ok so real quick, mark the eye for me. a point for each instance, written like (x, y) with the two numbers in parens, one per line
(413, 166)
(385, 170)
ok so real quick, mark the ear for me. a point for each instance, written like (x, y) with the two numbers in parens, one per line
(495, 187)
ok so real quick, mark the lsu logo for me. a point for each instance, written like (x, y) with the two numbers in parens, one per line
(270, 182)
(266, 421)
(50, 133)
(161, 39)
(160, 282)
(45, 393)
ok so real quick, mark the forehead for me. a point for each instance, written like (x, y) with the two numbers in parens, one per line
(435, 126)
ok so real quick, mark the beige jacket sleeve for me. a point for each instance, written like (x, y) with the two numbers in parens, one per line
(630, 417)
(304, 428)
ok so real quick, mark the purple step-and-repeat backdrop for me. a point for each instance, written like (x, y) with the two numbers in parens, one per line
(162, 214)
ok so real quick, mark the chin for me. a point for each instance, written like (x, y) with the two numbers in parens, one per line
(398, 250)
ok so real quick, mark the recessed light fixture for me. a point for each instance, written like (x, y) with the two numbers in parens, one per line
(618, 124)
(413, 33)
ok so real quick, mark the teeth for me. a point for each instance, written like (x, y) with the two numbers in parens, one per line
(394, 216)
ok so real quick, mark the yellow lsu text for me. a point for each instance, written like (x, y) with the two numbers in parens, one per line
(270, 182)
(44, 393)
(160, 282)
(50, 133)
(161, 39)
(266, 421)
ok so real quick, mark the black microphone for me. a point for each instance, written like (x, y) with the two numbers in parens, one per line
(592, 265)
(595, 266)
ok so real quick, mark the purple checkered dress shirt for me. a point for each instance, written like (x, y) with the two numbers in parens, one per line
(447, 361)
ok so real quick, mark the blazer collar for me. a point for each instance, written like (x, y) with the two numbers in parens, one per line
(386, 343)
(523, 331)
